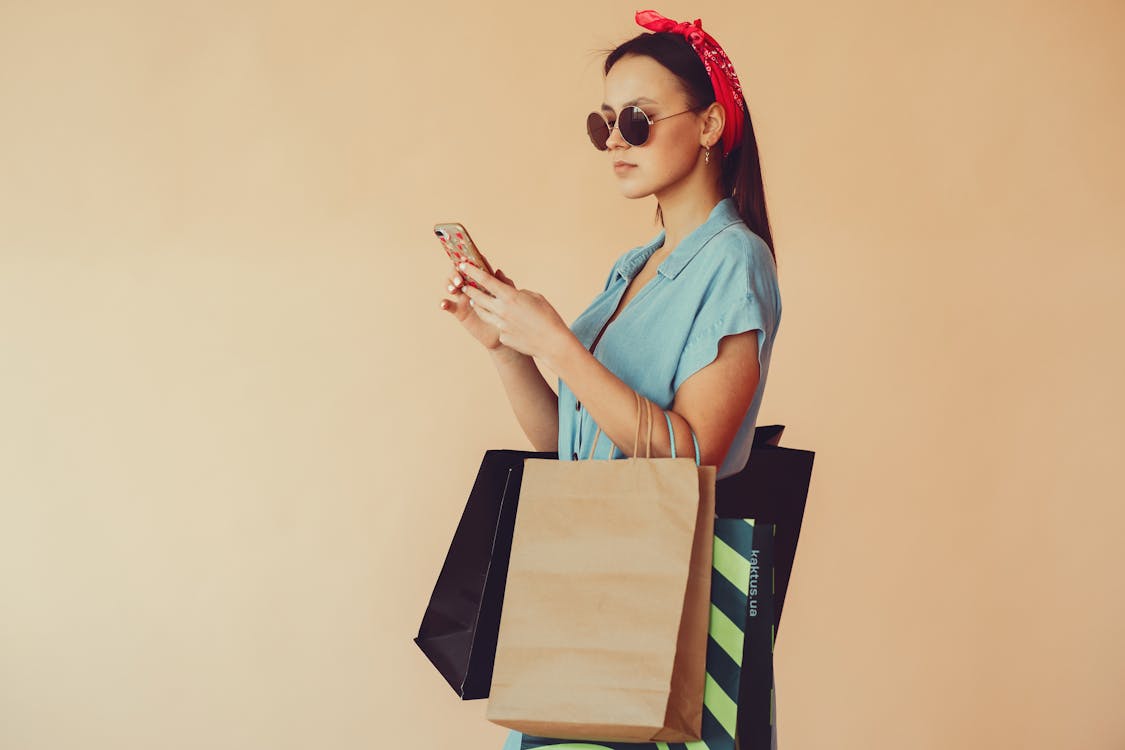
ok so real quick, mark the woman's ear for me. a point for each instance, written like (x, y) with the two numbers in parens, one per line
(714, 118)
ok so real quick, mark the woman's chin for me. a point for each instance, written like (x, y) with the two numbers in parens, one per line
(632, 190)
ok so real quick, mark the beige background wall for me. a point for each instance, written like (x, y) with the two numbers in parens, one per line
(236, 431)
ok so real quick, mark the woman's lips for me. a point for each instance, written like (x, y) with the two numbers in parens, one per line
(620, 166)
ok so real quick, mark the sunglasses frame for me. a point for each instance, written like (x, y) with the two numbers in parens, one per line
(617, 120)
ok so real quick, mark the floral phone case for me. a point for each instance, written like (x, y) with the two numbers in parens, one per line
(460, 248)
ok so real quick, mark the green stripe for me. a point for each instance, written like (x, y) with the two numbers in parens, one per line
(725, 633)
(697, 745)
(733, 566)
(721, 705)
(721, 668)
(661, 746)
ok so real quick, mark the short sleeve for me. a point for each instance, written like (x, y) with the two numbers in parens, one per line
(741, 296)
(703, 347)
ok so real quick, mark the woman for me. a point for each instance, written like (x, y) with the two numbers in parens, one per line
(688, 320)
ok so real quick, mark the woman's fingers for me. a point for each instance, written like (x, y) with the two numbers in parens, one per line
(483, 279)
(468, 291)
(457, 297)
(458, 288)
(483, 312)
(480, 301)
(453, 287)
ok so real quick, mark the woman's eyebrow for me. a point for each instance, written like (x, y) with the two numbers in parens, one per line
(630, 103)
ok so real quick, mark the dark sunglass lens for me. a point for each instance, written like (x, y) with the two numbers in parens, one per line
(598, 131)
(634, 126)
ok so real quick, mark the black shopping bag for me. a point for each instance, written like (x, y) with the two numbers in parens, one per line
(772, 488)
(460, 626)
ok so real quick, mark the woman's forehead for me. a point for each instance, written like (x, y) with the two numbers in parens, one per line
(640, 80)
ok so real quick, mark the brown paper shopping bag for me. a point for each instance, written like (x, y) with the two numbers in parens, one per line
(603, 635)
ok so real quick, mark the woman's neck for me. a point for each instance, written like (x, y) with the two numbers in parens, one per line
(684, 208)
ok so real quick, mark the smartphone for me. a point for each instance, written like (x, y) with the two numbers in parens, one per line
(460, 248)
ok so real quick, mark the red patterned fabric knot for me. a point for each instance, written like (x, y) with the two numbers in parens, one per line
(728, 90)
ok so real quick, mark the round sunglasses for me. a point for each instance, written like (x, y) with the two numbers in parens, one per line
(633, 124)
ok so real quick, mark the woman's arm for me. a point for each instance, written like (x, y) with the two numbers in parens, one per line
(533, 401)
(713, 401)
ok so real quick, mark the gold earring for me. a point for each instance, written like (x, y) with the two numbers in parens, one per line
(707, 156)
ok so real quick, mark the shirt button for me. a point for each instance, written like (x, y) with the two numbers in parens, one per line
(577, 405)
(574, 457)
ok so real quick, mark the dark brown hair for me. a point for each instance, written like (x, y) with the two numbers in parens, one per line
(742, 171)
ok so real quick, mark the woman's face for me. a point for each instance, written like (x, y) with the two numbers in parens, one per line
(672, 150)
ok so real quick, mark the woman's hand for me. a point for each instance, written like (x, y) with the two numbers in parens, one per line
(459, 306)
(523, 320)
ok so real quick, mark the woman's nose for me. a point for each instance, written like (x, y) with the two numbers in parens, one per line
(615, 140)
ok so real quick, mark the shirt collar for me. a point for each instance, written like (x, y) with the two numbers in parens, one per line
(722, 216)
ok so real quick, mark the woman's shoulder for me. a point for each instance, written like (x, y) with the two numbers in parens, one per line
(737, 261)
(737, 244)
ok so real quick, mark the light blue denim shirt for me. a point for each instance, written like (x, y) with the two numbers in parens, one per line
(719, 281)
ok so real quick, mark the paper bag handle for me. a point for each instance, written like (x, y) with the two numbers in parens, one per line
(637, 437)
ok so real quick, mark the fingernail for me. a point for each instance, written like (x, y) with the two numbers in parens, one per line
(462, 266)
(451, 287)
(472, 303)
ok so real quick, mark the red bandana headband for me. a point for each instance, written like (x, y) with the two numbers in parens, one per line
(728, 91)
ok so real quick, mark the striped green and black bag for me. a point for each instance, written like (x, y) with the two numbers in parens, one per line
(738, 707)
